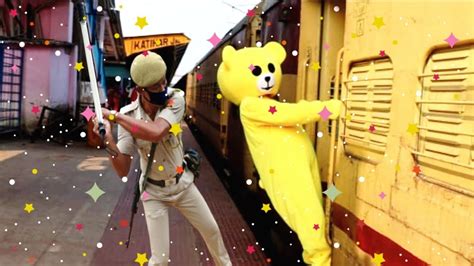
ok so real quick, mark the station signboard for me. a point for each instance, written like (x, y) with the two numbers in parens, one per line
(146, 43)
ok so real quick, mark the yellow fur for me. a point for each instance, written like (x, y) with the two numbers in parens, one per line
(282, 151)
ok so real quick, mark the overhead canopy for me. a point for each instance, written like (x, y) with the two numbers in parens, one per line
(147, 43)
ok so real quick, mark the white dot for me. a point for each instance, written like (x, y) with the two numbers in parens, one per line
(294, 53)
(16, 224)
(83, 134)
(118, 78)
(61, 24)
(336, 9)
(259, 44)
(418, 93)
(124, 179)
(57, 53)
(99, 245)
(249, 181)
(22, 44)
(355, 78)
(61, 261)
(39, 222)
(12, 182)
(337, 245)
(361, 179)
(320, 134)
(99, 9)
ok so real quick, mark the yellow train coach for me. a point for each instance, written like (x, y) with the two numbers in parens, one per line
(402, 152)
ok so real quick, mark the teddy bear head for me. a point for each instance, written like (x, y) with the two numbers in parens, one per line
(250, 72)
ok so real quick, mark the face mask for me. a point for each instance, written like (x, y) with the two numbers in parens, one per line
(158, 98)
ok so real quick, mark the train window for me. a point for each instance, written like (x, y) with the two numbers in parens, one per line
(446, 121)
(368, 100)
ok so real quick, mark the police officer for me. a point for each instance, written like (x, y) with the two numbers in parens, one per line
(155, 118)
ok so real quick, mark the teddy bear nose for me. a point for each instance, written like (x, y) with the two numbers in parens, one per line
(267, 79)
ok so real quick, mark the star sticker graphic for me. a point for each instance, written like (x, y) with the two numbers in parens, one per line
(382, 53)
(315, 66)
(170, 103)
(29, 207)
(451, 40)
(13, 13)
(198, 76)
(316, 227)
(145, 53)
(141, 22)
(15, 68)
(141, 258)
(250, 249)
(79, 66)
(35, 109)
(95, 192)
(88, 113)
(326, 46)
(176, 129)
(360, 224)
(123, 223)
(348, 117)
(266, 207)
(332, 192)
(79, 227)
(145, 195)
(413, 129)
(436, 76)
(372, 128)
(378, 259)
(382, 195)
(416, 169)
(354, 35)
(397, 168)
(214, 40)
(325, 113)
(272, 109)
(457, 96)
(134, 128)
(378, 22)
(31, 260)
(251, 67)
(250, 13)
(179, 170)
(89, 47)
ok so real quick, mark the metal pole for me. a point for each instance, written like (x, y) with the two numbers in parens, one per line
(90, 66)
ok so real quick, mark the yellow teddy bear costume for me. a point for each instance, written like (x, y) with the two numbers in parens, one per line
(281, 150)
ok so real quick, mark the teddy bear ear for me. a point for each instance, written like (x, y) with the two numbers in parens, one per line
(277, 50)
(228, 55)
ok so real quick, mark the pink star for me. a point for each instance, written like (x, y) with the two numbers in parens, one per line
(251, 67)
(326, 46)
(250, 13)
(145, 195)
(199, 76)
(15, 68)
(145, 53)
(272, 109)
(325, 113)
(89, 47)
(316, 227)
(35, 109)
(372, 128)
(123, 223)
(360, 224)
(436, 76)
(382, 53)
(452, 40)
(134, 128)
(79, 227)
(214, 40)
(250, 249)
(88, 113)
(13, 13)
(382, 195)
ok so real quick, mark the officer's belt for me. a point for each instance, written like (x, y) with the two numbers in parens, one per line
(164, 183)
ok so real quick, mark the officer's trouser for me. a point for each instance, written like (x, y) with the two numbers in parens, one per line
(192, 205)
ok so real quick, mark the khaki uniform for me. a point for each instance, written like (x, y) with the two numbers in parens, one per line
(184, 195)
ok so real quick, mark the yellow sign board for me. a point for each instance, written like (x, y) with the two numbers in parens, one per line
(146, 43)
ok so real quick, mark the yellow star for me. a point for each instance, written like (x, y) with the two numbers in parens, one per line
(378, 259)
(79, 66)
(176, 129)
(141, 258)
(29, 207)
(348, 117)
(397, 168)
(354, 35)
(395, 42)
(141, 22)
(413, 129)
(315, 66)
(457, 96)
(378, 22)
(266, 208)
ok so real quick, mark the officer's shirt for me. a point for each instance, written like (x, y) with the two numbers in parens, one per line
(169, 151)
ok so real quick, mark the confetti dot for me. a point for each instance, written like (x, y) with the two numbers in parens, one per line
(118, 78)
(161, 168)
(294, 53)
(116, 36)
(219, 96)
(337, 245)
(82, 134)
(320, 134)
(99, 8)
(57, 53)
(99, 245)
(418, 93)
(22, 44)
(34, 171)
(283, 42)
(84, 254)
(361, 179)
(336, 9)
(249, 181)
(355, 78)
(124, 179)
(11, 182)
(259, 44)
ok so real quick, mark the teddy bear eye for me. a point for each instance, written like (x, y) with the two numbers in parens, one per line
(257, 71)
(271, 68)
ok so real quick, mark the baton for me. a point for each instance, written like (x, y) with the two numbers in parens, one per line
(90, 66)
